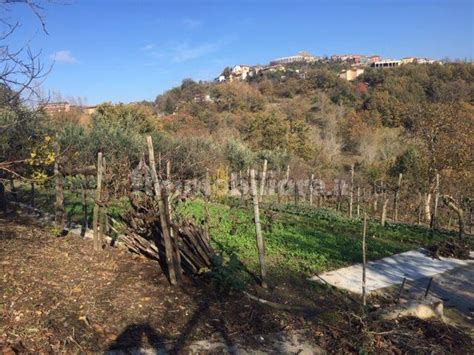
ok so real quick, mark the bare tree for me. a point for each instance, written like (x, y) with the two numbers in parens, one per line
(21, 69)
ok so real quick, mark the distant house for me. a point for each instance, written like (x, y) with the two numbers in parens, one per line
(89, 110)
(386, 63)
(408, 60)
(54, 107)
(241, 71)
(373, 59)
(351, 74)
(63, 106)
(301, 57)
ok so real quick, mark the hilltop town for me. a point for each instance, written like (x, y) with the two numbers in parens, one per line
(354, 65)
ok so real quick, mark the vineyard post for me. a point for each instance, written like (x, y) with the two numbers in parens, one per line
(168, 170)
(162, 213)
(311, 179)
(207, 195)
(59, 203)
(102, 209)
(175, 248)
(364, 260)
(434, 219)
(358, 202)
(351, 192)
(375, 198)
(262, 182)
(84, 206)
(258, 228)
(397, 197)
(95, 221)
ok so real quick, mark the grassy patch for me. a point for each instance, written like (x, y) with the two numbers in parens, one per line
(304, 240)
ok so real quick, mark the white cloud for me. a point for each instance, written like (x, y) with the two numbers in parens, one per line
(191, 23)
(148, 47)
(184, 52)
(64, 57)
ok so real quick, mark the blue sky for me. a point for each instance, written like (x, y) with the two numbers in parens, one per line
(118, 50)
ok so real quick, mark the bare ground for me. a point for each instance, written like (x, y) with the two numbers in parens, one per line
(57, 295)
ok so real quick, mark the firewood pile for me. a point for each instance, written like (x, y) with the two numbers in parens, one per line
(191, 251)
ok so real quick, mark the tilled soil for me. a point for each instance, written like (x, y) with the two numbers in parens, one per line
(58, 295)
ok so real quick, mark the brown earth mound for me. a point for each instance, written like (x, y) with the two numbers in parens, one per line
(451, 248)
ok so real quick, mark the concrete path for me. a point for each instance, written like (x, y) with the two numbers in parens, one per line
(412, 265)
(455, 288)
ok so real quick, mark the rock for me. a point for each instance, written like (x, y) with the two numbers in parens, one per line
(419, 309)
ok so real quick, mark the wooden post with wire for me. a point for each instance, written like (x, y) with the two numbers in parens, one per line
(96, 213)
(162, 212)
(258, 227)
(262, 182)
(351, 195)
(364, 261)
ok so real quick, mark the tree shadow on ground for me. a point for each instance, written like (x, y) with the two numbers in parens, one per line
(132, 340)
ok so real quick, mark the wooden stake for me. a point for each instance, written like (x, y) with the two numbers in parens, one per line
(95, 221)
(262, 183)
(364, 261)
(84, 208)
(207, 195)
(434, 219)
(358, 202)
(351, 196)
(176, 254)
(311, 179)
(102, 209)
(383, 216)
(163, 220)
(397, 197)
(258, 228)
(168, 170)
(59, 204)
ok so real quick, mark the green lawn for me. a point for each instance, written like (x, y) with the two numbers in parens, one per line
(304, 240)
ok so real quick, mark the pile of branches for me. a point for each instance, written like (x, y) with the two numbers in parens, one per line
(191, 250)
(457, 248)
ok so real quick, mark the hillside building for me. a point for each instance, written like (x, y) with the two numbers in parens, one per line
(386, 64)
(351, 74)
(301, 57)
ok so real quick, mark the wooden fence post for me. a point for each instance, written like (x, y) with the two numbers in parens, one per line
(351, 196)
(175, 248)
(59, 203)
(207, 217)
(397, 197)
(84, 207)
(102, 208)
(434, 219)
(383, 216)
(358, 202)
(364, 261)
(258, 228)
(375, 197)
(162, 212)
(96, 213)
(168, 170)
(311, 179)
(262, 183)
